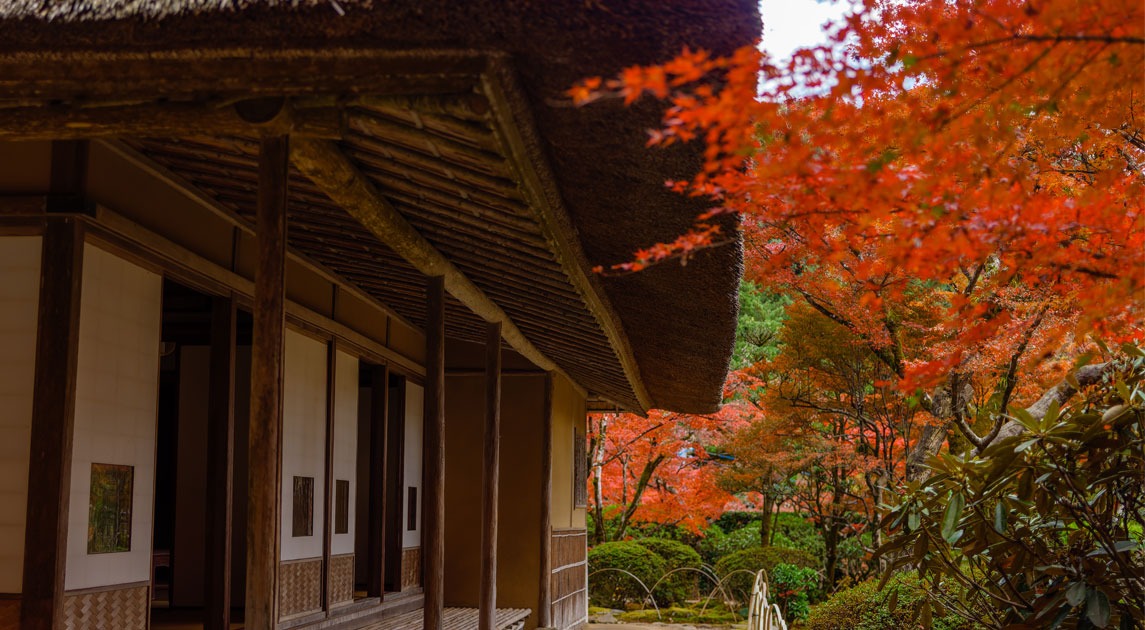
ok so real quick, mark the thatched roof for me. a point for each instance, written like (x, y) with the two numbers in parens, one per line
(678, 321)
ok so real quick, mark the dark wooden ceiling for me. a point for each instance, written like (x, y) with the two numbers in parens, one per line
(449, 177)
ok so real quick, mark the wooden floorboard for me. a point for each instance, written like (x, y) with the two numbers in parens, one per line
(455, 619)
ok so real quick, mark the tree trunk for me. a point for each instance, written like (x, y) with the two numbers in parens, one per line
(598, 506)
(630, 509)
(831, 545)
(765, 522)
(943, 408)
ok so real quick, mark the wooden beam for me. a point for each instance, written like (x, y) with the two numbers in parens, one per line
(68, 179)
(220, 465)
(433, 502)
(325, 164)
(53, 419)
(264, 502)
(376, 530)
(66, 122)
(545, 605)
(183, 73)
(516, 131)
(487, 602)
(328, 474)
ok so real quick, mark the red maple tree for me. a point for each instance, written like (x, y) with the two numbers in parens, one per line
(957, 184)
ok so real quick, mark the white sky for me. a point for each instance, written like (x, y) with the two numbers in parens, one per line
(792, 24)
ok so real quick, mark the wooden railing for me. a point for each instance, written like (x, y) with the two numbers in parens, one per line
(762, 615)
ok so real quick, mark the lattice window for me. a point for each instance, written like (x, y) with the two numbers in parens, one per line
(342, 506)
(303, 513)
(580, 470)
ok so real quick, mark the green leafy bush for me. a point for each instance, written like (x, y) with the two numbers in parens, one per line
(865, 607)
(733, 520)
(609, 565)
(677, 587)
(1042, 519)
(738, 569)
(792, 588)
(794, 531)
(717, 545)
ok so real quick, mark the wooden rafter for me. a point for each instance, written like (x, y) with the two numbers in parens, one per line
(325, 165)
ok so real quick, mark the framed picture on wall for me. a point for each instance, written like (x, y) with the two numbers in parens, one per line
(109, 508)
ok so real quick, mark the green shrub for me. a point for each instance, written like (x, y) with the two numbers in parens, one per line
(794, 531)
(678, 587)
(744, 564)
(716, 546)
(608, 585)
(864, 607)
(732, 520)
(792, 588)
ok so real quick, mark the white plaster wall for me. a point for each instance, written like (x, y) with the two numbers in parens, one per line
(19, 304)
(116, 397)
(303, 438)
(412, 456)
(345, 442)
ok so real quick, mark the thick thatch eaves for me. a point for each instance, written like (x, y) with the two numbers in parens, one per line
(581, 173)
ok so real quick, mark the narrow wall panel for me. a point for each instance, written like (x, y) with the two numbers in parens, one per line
(116, 398)
(19, 302)
(303, 441)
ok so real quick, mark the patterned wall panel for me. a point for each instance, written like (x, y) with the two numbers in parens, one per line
(411, 567)
(569, 578)
(341, 579)
(123, 608)
(299, 587)
(9, 613)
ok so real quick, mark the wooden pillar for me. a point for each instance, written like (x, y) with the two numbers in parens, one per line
(433, 504)
(264, 503)
(490, 475)
(53, 418)
(68, 180)
(328, 503)
(376, 532)
(545, 605)
(220, 465)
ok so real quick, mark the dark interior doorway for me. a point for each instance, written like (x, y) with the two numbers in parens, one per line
(179, 536)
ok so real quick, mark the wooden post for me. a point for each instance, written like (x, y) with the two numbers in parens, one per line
(53, 418)
(376, 533)
(328, 503)
(490, 476)
(220, 465)
(68, 181)
(395, 487)
(269, 327)
(433, 504)
(545, 614)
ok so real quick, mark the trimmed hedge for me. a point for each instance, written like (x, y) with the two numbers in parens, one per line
(717, 544)
(678, 587)
(865, 607)
(613, 588)
(744, 564)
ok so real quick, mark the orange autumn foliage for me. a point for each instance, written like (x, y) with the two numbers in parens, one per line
(957, 183)
(656, 469)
